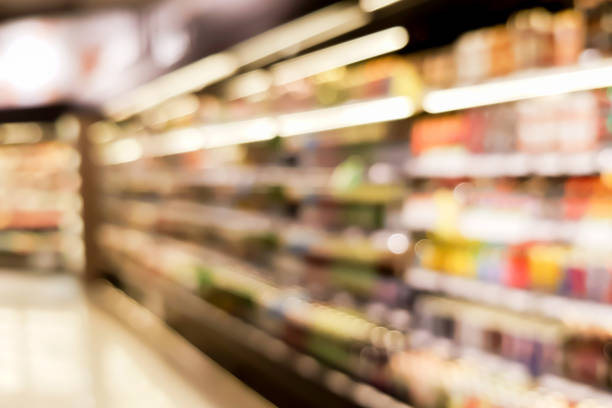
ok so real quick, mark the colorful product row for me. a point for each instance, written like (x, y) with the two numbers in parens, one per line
(531, 38)
(470, 209)
(434, 380)
(543, 267)
(373, 352)
(534, 343)
(570, 123)
(543, 347)
(48, 157)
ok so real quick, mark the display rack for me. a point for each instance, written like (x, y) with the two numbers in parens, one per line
(41, 223)
(257, 358)
(376, 223)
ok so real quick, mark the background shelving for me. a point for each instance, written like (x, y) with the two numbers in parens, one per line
(40, 214)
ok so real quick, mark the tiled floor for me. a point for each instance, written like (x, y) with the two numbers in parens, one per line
(57, 351)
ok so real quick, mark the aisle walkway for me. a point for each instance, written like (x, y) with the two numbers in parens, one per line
(56, 351)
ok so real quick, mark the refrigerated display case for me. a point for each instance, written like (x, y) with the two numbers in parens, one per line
(350, 227)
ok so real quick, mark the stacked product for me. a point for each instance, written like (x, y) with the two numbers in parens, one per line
(531, 38)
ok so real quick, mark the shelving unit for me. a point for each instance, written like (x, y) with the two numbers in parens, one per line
(288, 222)
(534, 83)
(574, 312)
(258, 129)
(40, 215)
(238, 343)
(508, 165)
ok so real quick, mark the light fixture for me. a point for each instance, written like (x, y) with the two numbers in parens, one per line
(546, 82)
(120, 151)
(174, 142)
(286, 39)
(373, 5)
(351, 114)
(187, 79)
(259, 129)
(249, 84)
(349, 52)
(233, 133)
(32, 60)
(189, 139)
(300, 34)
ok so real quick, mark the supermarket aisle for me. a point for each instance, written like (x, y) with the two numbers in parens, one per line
(56, 351)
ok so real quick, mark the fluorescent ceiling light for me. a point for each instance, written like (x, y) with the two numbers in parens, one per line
(350, 52)
(453, 164)
(187, 79)
(353, 114)
(286, 39)
(32, 60)
(174, 142)
(373, 5)
(257, 130)
(188, 140)
(233, 133)
(546, 82)
(300, 34)
(251, 83)
(120, 151)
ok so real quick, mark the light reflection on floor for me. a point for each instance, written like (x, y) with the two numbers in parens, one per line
(56, 351)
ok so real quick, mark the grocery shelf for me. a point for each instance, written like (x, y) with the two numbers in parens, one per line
(244, 344)
(346, 115)
(522, 85)
(363, 194)
(316, 185)
(360, 246)
(257, 129)
(459, 165)
(573, 312)
(504, 227)
(514, 371)
(573, 389)
(278, 246)
(119, 239)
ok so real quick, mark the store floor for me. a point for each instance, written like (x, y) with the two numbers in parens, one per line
(57, 350)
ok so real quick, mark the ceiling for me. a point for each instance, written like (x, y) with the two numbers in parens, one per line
(17, 8)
